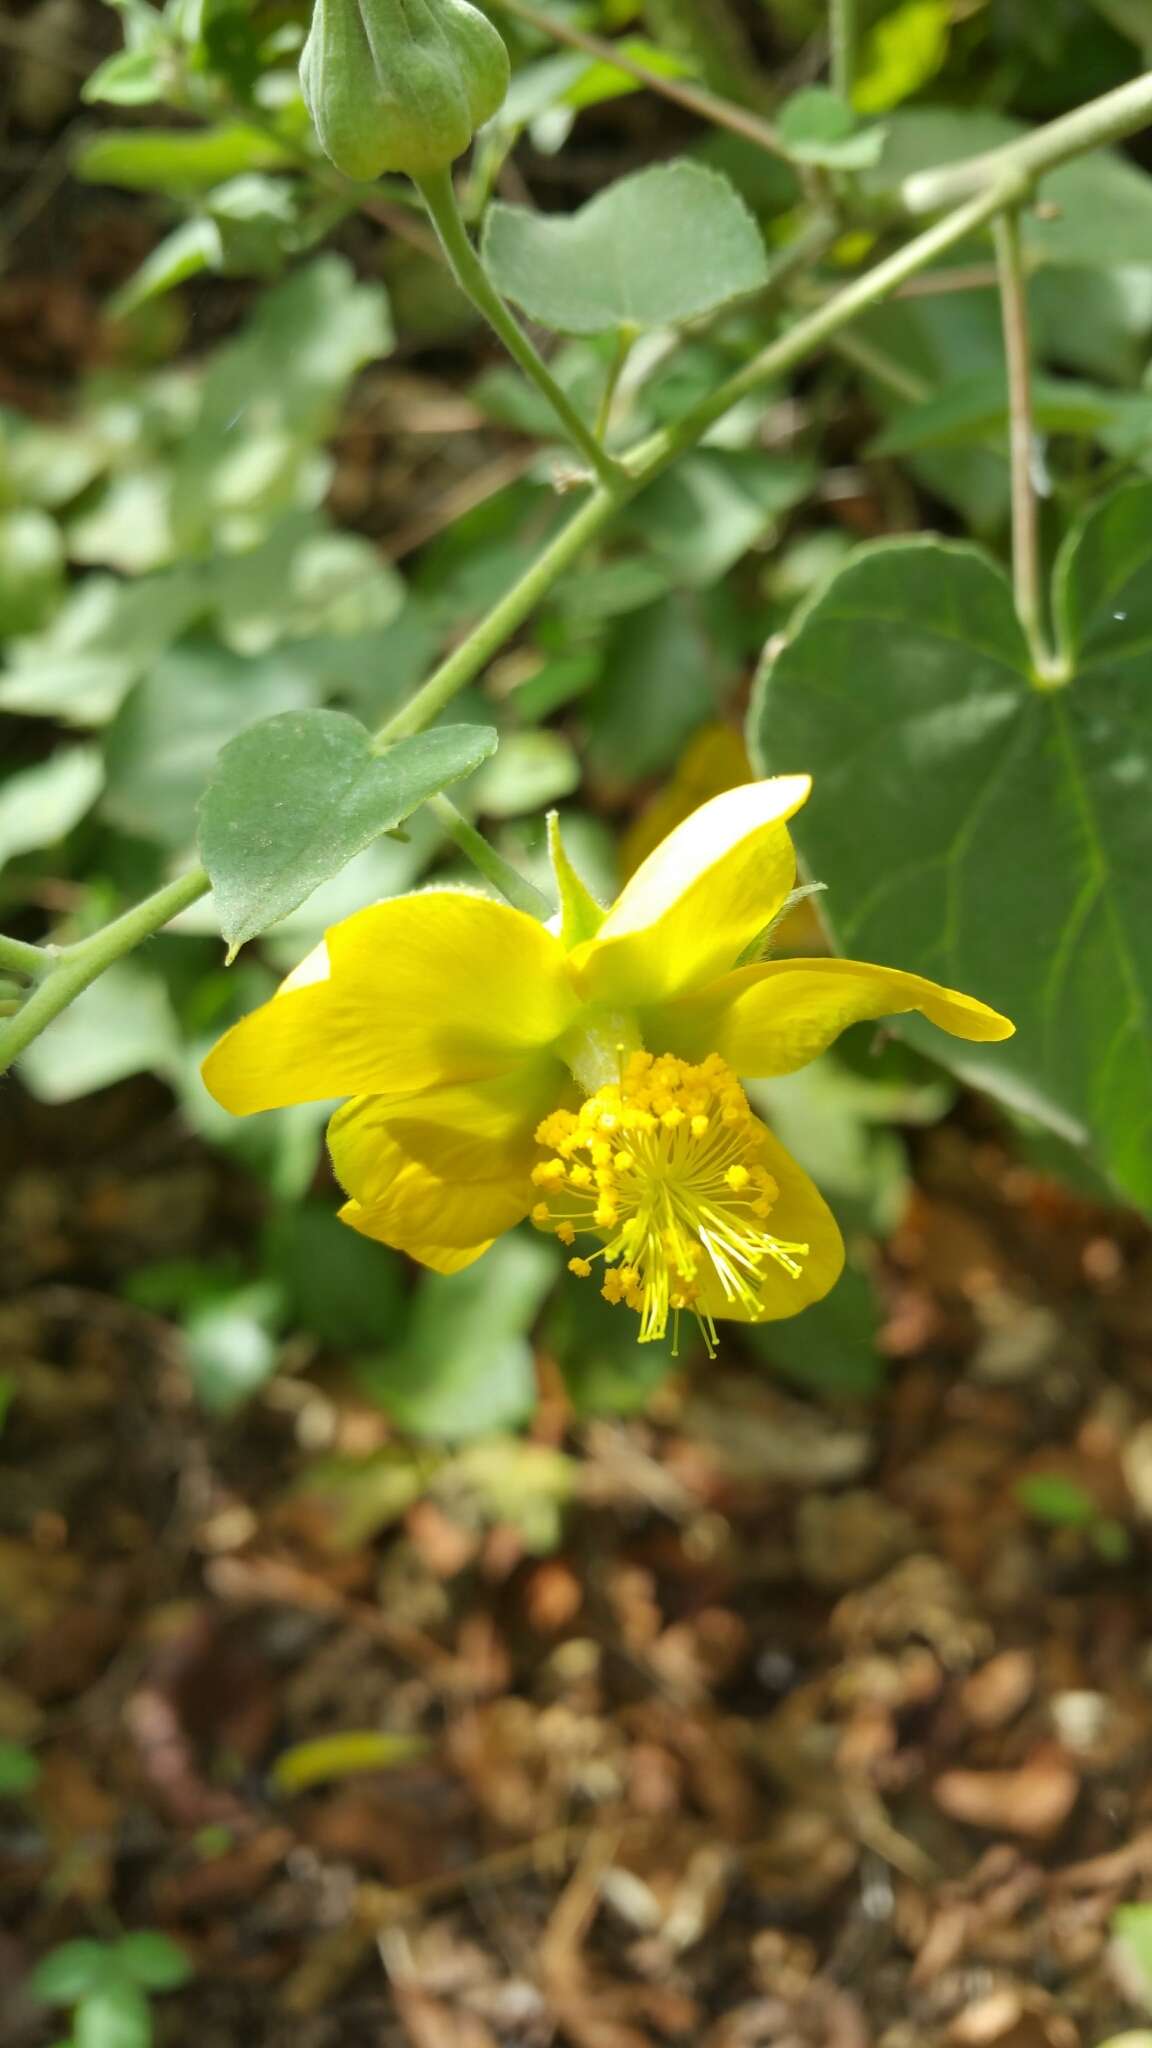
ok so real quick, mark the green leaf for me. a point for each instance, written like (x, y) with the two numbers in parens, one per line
(818, 127)
(115, 2016)
(304, 581)
(123, 1024)
(103, 637)
(31, 569)
(19, 1770)
(70, 1972)
(337, 1285)
(230, 1346)
(131, 78)
(466, 1365)
(703, 515)
(161, 746)
(663, 246)
(1132, 1933)
(175, 159)
(1051, 1497)
(978, 405)
(991, 834)
(348, 1755)
(295, 797)
(661, 679)
(901, 53)
(41, 804)
(192, 247)
(532, 769)
(152, 1960)
(831, 1349)
(605, 1371)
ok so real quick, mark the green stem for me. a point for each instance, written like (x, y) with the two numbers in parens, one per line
(74, 967)
(1107, 119)
(1021, 436)
(644, 462)
(439, 196)
(513, 886)
(842, 41)
(814, 329)
(625, 339)
(32, 961)
(465, 663)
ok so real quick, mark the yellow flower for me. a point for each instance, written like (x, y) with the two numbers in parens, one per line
(585, 1075)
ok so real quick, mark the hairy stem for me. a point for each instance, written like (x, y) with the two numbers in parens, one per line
(1022, 441)
(74, 967)
(19, 958)
(439, 196)
(842, 46)
(513, 886)
(1107, 119)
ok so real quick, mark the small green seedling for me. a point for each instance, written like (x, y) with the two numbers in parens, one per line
(108, 1986)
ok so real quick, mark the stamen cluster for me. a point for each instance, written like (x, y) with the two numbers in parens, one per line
(665, 1166)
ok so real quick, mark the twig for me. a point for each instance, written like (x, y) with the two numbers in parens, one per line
(696, 98)
(513, 886)
(842, 46)
(439, 196)
(1022, 439)
(1107, 119)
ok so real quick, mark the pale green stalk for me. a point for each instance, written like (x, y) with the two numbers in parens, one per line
(515, 887)
(1107, 119)
(32, 961)
(74, 967)
(439, 195)
(1021, 437)
(842, 33)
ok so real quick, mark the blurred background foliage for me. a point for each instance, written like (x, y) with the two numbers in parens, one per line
(263, 459)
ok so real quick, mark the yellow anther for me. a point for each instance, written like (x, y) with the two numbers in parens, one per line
(678, 1200)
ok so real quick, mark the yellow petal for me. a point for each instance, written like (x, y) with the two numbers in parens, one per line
(476, 1131)
(775, 1017)
(438, 986)
(442, 1258)
(800, 1215)
(425, 1179)
(693, 906)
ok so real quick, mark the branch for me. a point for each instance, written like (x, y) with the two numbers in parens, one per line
(74, 967)
(842, 40)
(439, 196)
(1022, 440)
(1107, 119)
(721, 113)
(18, 958)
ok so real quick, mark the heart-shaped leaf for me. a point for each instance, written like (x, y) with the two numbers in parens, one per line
(293, 798)
(980, 827)
(664, 245)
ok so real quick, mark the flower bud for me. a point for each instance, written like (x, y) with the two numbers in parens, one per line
(400, 85)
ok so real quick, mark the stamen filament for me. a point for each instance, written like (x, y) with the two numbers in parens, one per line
(665, 1166)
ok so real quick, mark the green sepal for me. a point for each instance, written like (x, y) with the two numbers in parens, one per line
(580, 915)
(400, 85)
